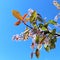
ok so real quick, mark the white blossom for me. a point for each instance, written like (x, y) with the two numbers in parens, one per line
(57, 17)
(13, 38)
(56, 4)
(30, 11)
(33, 38)
(17, 37)
(39, 46)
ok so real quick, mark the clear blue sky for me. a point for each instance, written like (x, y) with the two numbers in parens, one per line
(16, 50)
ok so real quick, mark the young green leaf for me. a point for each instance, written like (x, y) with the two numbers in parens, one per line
(44, 28)
(47, 48)
(39, 17)
(37, 39)
(52, 22)
(53, 31)
(33, 17)
(52, 46)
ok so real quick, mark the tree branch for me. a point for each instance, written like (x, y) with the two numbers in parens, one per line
(45, 32)
(27, 25)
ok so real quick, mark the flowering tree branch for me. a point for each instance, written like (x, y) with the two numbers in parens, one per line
(38, 31)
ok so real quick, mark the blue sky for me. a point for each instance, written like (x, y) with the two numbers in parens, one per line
(20, 50)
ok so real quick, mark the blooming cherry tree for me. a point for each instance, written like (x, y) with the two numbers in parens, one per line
(38, 30)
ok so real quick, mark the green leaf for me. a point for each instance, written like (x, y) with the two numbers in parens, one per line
(40, 25)
(46, 25)
(52, 46)
(52, 22)
(47, 48)
(44, 28)
(50, 35)
(53, 40)
(35, 26)
(33, 17)
(53, 31)
(37, 39)
(39, 18)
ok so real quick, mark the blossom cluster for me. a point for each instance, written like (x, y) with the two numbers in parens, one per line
(39, 31)
(55, 3)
